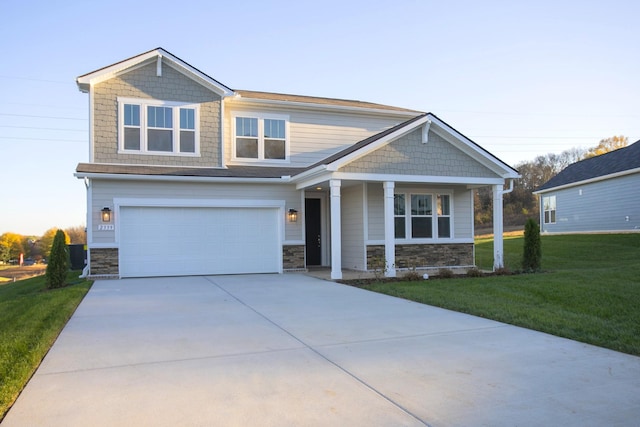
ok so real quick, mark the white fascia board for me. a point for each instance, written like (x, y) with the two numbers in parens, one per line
(169, 178)
(589, 181)
(426, 179)
(111, 71)
(490, 161)
(377, 144)
(314, 106)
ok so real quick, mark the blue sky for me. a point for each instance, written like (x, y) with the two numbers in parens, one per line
(520, 78)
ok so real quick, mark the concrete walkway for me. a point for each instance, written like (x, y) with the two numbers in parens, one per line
(292, 350)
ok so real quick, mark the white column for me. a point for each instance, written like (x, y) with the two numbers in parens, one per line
(498, 247)
(336, 238)
(389, 230)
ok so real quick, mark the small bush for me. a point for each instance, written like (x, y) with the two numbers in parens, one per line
(474, 272)
(412, 276)
(445, 273)
(532, 256)
(502, 271)
(58, 265)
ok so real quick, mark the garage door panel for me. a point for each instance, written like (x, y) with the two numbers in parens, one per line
(195, 241)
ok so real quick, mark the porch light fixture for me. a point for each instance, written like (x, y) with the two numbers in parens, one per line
(105, 213)
(293, 215)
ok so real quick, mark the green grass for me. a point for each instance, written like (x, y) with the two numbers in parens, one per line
(589, 290)
(31, 318)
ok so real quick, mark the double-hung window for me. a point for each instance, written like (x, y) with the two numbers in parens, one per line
(549, 204)
(416, 218)
(260, 137)
(157, 127)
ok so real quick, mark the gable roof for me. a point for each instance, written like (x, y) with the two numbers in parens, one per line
(621, 160)
(375, 141)
(105, 73)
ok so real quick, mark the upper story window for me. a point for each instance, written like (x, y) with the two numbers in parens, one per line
(549, 204)
(158, 127)
(415, 217)
(259, 137)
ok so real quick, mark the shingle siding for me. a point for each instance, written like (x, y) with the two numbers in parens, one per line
(171, 86)
(409, 156)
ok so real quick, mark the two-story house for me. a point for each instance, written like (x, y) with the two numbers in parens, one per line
(187, 176)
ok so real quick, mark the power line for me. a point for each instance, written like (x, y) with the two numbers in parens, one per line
(41, 117)
(42, 139)
(34, 79)
(57, 107)
(37, 128)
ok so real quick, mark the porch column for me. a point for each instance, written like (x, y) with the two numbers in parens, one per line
(498, 228)
(389, 230)
(336, 238)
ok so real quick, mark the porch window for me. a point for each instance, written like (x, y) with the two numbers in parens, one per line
(157, 127)
(549, 204)
(416, 217)
(260, 137)
(399, 215)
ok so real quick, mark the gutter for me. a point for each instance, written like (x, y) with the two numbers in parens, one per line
(122, 177)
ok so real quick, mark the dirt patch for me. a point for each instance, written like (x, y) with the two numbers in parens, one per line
(19, 273)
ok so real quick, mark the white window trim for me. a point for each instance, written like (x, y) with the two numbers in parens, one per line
(434, 217)
(261, 117)
(544, 211)
(144, 103)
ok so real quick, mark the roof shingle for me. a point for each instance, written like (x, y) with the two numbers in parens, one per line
(619, 160)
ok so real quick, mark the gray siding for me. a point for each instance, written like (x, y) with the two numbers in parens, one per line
(409, 156)
(602, 206)
(352, 212)
(314, 134)
(143, 83)
(104, 191)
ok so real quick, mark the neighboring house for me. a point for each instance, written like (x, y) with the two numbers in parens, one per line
(599, 194)
(187, 176)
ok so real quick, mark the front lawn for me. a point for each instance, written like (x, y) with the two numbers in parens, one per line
(31, 318)
(589, 290)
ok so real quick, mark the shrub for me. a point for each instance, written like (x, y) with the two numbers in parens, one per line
(412, 276)
(532, 256)
(502, 271)
(474, 272)
(58, 265)
(445, 273)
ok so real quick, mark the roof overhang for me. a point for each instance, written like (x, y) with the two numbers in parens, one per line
(86, 81)
(172, 178)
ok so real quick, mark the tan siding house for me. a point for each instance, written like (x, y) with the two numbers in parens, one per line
(187, 176)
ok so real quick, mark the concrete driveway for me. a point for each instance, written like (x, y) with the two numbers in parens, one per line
(291, 350)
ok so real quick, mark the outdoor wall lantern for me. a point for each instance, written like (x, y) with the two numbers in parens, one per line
(293, 215)
(106, 214)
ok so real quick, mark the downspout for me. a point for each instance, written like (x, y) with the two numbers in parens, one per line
(498, 225)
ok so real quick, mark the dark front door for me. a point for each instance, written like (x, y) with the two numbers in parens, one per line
(312, 231)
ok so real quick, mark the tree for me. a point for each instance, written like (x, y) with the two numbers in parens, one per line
(77, 235)
(607, 145)
(46, 241)
(58, 265)
(532, 256)
(11, 246)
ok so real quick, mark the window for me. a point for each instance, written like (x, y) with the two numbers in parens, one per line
(258, 137)
(549, 203)
(399, 215)
(422, 222)
(157, 127)
(421, 216)
(444, 216)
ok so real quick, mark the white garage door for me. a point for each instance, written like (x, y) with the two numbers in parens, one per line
(179, 241)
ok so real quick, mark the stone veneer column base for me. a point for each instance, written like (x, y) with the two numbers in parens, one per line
(293, 258)
(104, 263)
(424, 255)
